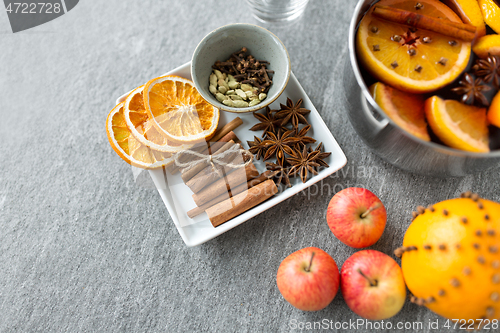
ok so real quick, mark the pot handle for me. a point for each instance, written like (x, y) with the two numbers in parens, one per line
(378, 124)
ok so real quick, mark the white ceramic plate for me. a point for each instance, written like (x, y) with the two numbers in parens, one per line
(177, 196)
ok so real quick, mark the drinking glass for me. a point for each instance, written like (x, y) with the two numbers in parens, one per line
(277, 10)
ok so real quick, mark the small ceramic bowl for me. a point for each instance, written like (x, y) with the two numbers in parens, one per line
(222, 42)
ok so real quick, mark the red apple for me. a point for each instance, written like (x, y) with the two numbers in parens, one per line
(372, 285)
(308, 279)
(356, 217)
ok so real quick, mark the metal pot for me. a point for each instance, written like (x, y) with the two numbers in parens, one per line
(391, 142)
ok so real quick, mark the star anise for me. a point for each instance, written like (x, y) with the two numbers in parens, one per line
(303, 139)
(302, 163)
(472, 90)
(292, 112)
(256, 147)
(268, 122)
(281, 176)
(320, 157)
(279, 145)
(279, 130)
(488, 69)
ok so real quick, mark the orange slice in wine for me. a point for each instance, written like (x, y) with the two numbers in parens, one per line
(405, 109)
(494, 111)
(491, 13)
(458, 125)
(469, 12)
(487, 45)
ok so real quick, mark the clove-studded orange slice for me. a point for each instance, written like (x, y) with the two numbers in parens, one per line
(409, 59)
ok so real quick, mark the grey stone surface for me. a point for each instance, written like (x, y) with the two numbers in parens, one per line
(84, 248)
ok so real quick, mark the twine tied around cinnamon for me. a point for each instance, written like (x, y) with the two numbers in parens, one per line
(215, 161)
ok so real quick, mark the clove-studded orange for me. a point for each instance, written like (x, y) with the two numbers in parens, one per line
(410, 59)
(451, 258)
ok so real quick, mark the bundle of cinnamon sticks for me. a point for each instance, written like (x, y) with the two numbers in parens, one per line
(229, 187)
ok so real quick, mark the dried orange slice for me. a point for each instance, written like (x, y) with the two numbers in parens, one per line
(411, 60)
(470, 13)
(491, 13)
(127, 147)
(458, 125)
(405, 109)
(494, 111)
(141, 125)
(489, 44)
(178, 110)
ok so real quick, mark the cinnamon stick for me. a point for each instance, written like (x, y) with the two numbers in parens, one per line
(245, 186)
(216, 148)
(465, 32)
(240, 203)
(230, 126)
(206, 148)
(225, 184)
(208, 175)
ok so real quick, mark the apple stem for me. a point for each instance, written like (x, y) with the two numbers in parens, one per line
(310, 263)
(373, 283)
(371, 209)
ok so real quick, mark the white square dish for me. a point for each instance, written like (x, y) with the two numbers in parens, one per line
(178, 197)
